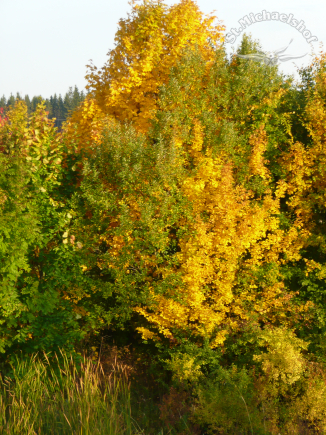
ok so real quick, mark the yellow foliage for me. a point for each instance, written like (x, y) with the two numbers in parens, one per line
(227, 225)
(148, 44)
(312, 404)
(85, 126)
(232, 233)
(283, 364)
(13, 130)
(184, 368)
(258, 142)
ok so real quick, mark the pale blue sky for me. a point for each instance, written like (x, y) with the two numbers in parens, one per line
(45, 44)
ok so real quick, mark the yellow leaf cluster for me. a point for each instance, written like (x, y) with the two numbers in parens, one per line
(148, 44)
(228, 225)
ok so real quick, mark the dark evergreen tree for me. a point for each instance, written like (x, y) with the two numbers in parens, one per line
(3, 102)
(62, 112)
(28, 104)
(68, 102)
(48, 106)
(11, 101)
(56, 106)
(35, 101)
(77, 98)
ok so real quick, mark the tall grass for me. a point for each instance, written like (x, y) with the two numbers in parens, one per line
(47, 399)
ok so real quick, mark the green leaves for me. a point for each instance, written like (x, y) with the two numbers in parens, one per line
(35, 267)
(127, 204)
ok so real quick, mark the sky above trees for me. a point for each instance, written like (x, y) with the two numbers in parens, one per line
(45, 46)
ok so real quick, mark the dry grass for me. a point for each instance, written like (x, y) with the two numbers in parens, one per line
(41, 400)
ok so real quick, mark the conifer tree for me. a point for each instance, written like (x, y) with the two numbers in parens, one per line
(11, 101)
(3, 102)
(28, 104)
(35, 101)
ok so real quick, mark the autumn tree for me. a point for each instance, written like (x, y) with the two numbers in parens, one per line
(202, 244)
(183, 200)
(304, 175)
(35, 257)
(148, 43)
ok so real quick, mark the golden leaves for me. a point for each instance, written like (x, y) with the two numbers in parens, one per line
(148, 44)
(86, 124)
(257, 162)
(210, 259)
(232, 234)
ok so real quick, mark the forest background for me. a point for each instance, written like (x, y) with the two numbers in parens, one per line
(180, 214)
(58, 107)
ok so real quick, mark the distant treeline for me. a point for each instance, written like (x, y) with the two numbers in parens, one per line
(58, 107)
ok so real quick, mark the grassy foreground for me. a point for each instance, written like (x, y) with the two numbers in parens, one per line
(49, 398)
